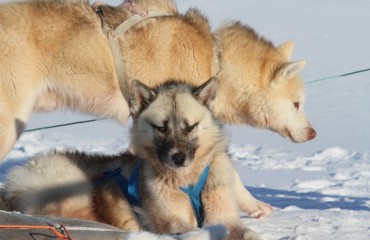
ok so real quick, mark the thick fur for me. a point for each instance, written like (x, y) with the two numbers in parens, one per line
(169, 120)
(54, 54)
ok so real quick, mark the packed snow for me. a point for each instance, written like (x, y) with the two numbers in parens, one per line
(319, 189)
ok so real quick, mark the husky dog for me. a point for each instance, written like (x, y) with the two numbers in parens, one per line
(175, 140)
(56, 53)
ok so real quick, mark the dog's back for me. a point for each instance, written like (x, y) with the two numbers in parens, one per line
(59, 184)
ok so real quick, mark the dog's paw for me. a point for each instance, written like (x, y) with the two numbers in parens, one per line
(258, 209)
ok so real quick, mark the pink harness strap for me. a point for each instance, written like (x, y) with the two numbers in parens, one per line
(134, 8)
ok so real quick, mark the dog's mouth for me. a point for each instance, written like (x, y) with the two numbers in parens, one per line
(287, 135)
(309, 134)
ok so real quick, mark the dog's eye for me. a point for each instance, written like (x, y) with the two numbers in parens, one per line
(162, 129)
(189, 129)
(296, 105)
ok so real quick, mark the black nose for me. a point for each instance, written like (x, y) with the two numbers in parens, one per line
(178, 158)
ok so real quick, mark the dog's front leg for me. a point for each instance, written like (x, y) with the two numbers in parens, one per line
(247, 203)
(112, 208)
(220, 207)
(171, 212)
(14, 114)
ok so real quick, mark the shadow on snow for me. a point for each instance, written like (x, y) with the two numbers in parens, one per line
(309, 200)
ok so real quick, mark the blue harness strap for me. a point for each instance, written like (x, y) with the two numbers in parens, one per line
(195, 195)
(129, 188)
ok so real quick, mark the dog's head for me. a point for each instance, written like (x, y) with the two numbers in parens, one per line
(279, 104)
(260, 85)
(172, 123)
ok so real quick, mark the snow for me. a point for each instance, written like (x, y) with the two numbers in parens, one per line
(320, 189)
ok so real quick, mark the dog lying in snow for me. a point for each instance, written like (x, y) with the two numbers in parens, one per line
(177, 178)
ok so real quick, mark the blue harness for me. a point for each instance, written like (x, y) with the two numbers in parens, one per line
(195, 195)
(130, 189)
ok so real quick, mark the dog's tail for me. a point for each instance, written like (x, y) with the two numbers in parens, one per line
(3, 203)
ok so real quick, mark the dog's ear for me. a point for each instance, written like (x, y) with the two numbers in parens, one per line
(286, 50)
(140, 97)
(292, 69)
(206, 93)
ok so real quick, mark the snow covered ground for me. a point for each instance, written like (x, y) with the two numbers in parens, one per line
(320, 189)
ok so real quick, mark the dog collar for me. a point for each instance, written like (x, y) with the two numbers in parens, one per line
(195, 195)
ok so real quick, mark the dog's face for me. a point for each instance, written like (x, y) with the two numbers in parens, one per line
(287, 115)
(275, 96)
(172, 123)
(279, 106)
(260, 84)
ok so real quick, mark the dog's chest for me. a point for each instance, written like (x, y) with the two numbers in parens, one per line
(176, 195)
(159, 198)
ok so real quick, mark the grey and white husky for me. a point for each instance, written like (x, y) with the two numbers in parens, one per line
(176, 177)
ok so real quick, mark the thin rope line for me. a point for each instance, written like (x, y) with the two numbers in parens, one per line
(63, 125)
(337, 76)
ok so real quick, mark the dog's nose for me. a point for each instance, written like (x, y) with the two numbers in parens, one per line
(311, 134)
(178, 158)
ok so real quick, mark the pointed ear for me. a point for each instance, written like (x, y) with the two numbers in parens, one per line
(140, 97)
(292, 69)
(206, 93)
(286, 50)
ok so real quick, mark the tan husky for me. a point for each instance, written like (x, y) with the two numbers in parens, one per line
(180, 151)
(57, 54)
